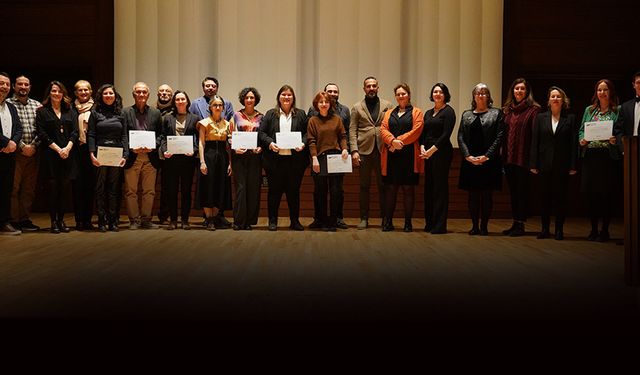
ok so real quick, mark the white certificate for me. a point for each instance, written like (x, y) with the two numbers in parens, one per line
(335, 164)
(180, 144)
(246, 140)
(142, 139)
(286, 140)
(598, 130)
(109, 156)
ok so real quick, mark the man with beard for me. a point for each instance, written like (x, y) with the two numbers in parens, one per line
(26, 157)
(10, 135)
(343, 112)
(200, 107)
(366, 143)
(165, 94)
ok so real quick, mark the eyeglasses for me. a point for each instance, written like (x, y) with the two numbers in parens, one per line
(217, 105)
(480, 94)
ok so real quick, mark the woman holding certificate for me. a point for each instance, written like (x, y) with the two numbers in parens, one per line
(283, 135)
(553, 156)
(179, 168)
(326, 135)
(400, 160)
(601, 158)
(57, 130)
(107, 135)
(215, 181)
(247, 162)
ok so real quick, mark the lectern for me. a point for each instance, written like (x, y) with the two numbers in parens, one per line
(631, 209)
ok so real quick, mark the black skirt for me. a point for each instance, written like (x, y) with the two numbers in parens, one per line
(215, 186)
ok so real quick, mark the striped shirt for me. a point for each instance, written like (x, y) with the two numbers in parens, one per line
(27, 115)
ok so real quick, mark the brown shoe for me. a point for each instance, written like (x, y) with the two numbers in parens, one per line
(9, 230)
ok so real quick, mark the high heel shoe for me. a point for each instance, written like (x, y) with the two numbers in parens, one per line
(54, 227)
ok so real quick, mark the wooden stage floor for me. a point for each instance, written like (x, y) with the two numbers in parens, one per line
(156, 282)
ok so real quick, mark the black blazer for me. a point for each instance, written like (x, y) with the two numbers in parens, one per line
(270, 125)
(624, 124)
(16, 128)
(492, 129)
(169, 129)
(154, 123)
(554, 151)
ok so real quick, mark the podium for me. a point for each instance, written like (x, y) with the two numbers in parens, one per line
(631, 209)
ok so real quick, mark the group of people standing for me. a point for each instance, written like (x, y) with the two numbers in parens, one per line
(396, 143)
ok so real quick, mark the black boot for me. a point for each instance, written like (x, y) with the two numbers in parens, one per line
(387, 224)
(518, 230)
(63, 227)
(484, 228)
(407, 225)
(544, 233)
(559, 232)
(54, 227)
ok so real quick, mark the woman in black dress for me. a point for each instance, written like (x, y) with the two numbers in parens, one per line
(437, 152)
(400, 157)
(479, 137)
(215, 181)
(56, 127)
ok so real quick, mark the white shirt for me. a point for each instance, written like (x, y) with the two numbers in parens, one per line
(636, 119)
(554, 124)
(5, 118)
(285, 127)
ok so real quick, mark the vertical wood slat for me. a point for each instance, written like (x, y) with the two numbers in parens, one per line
(631, 210)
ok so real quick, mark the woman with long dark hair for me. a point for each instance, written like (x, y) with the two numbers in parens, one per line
(106, 128)
(57, 130)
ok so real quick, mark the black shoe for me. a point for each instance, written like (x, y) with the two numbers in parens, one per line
(341, 224)
(172, 225)
(28, 226)
(63, 227)
(185, 225)
(603, 236)
(484, 232)
(474, 231)
(221, 220)
(593, 235)
(544, 234)
(16, 225)
(54, 228)
(295, 225)
(247, 227)
(273, 226)
(387, 225)
(316, 224)
(88, 226)
(236, 226)
(559, 235)
(79, 226)
(330, 229)
(102, 228)
(438, 231)
(113, 227)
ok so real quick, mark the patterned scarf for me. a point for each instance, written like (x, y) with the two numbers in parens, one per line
(84, 111)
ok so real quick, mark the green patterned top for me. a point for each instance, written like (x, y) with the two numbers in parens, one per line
(590, 115)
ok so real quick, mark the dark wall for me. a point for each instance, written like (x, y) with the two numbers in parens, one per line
(63, 40)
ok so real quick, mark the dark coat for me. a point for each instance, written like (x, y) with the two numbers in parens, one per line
(270, 125)
(554, 151)
(154, 123)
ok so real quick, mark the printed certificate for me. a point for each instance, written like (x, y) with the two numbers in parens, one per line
(286, 140)
(335, 164)
(246, 140)
(109, 156)
(180, 144)
(142, 139)
(598, 130)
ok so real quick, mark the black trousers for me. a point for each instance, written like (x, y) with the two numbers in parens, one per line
(518, 180)
(58, 188)
(247, 173)
(391, 195)
(108, 194)
(554, 190)
(436, 190)
(284, 177)
(84, 186)
(331, 185)
(7, 169)
(177, 175)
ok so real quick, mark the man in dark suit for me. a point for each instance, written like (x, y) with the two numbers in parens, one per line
(10, 135)
(629, 119)
(142, 163)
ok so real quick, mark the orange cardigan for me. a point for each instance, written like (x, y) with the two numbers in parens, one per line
(411, 137)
